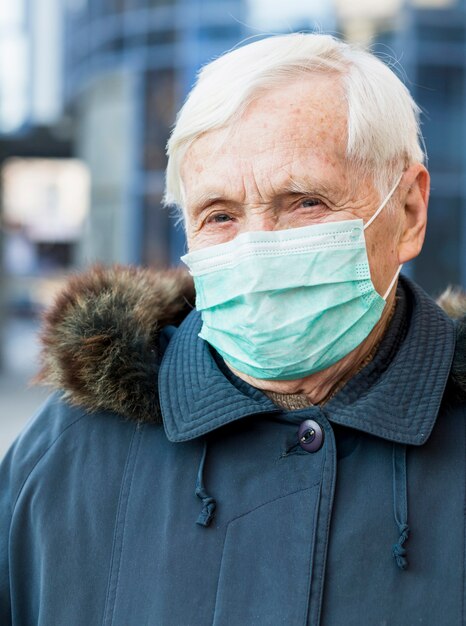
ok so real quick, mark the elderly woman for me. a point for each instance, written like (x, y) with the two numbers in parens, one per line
(311, 463)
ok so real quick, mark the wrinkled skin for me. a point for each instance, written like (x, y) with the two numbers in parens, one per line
(283, 165)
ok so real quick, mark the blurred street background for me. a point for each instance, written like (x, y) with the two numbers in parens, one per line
(88, 92)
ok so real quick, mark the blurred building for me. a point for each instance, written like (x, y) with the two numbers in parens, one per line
(128, 67)
(30, 64)
(269, 16)
(31, 128)
(429, 39)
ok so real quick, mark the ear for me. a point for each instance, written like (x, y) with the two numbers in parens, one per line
(415, 186)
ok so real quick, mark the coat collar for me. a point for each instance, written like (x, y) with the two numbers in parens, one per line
(195, 395)
(396, 397)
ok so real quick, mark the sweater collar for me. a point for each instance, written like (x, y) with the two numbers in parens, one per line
(396, 396)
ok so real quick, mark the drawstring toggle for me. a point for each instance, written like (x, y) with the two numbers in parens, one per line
(208, 503)
(399, 552)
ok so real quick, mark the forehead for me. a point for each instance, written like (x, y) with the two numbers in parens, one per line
(294, 129)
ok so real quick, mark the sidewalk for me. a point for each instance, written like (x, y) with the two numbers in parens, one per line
(18, 401)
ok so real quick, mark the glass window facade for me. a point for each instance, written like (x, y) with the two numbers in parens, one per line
(440, 89)
(431, 46)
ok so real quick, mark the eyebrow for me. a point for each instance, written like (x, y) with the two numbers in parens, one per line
(296, 185)
(203, 200)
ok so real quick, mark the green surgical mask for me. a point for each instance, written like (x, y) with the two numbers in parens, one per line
(283, 304)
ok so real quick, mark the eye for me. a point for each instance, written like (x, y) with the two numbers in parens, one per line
(310, 202)
(219, 218)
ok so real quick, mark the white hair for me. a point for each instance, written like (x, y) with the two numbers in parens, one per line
(383, 119)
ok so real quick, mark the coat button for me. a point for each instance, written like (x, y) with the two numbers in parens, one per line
(311, 436)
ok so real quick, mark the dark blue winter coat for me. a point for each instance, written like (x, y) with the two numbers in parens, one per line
(234, 512)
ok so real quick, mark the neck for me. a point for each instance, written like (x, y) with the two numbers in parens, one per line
(321, 386)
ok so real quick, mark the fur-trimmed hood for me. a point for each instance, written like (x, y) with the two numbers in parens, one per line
(100, 338)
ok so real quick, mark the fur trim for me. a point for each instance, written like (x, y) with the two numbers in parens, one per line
(453, 302)
(100, 337)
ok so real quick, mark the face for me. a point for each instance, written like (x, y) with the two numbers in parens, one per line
(283, 165)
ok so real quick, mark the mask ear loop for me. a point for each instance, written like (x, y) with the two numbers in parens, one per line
(367, 224)
(390, 287)
(382, 206)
